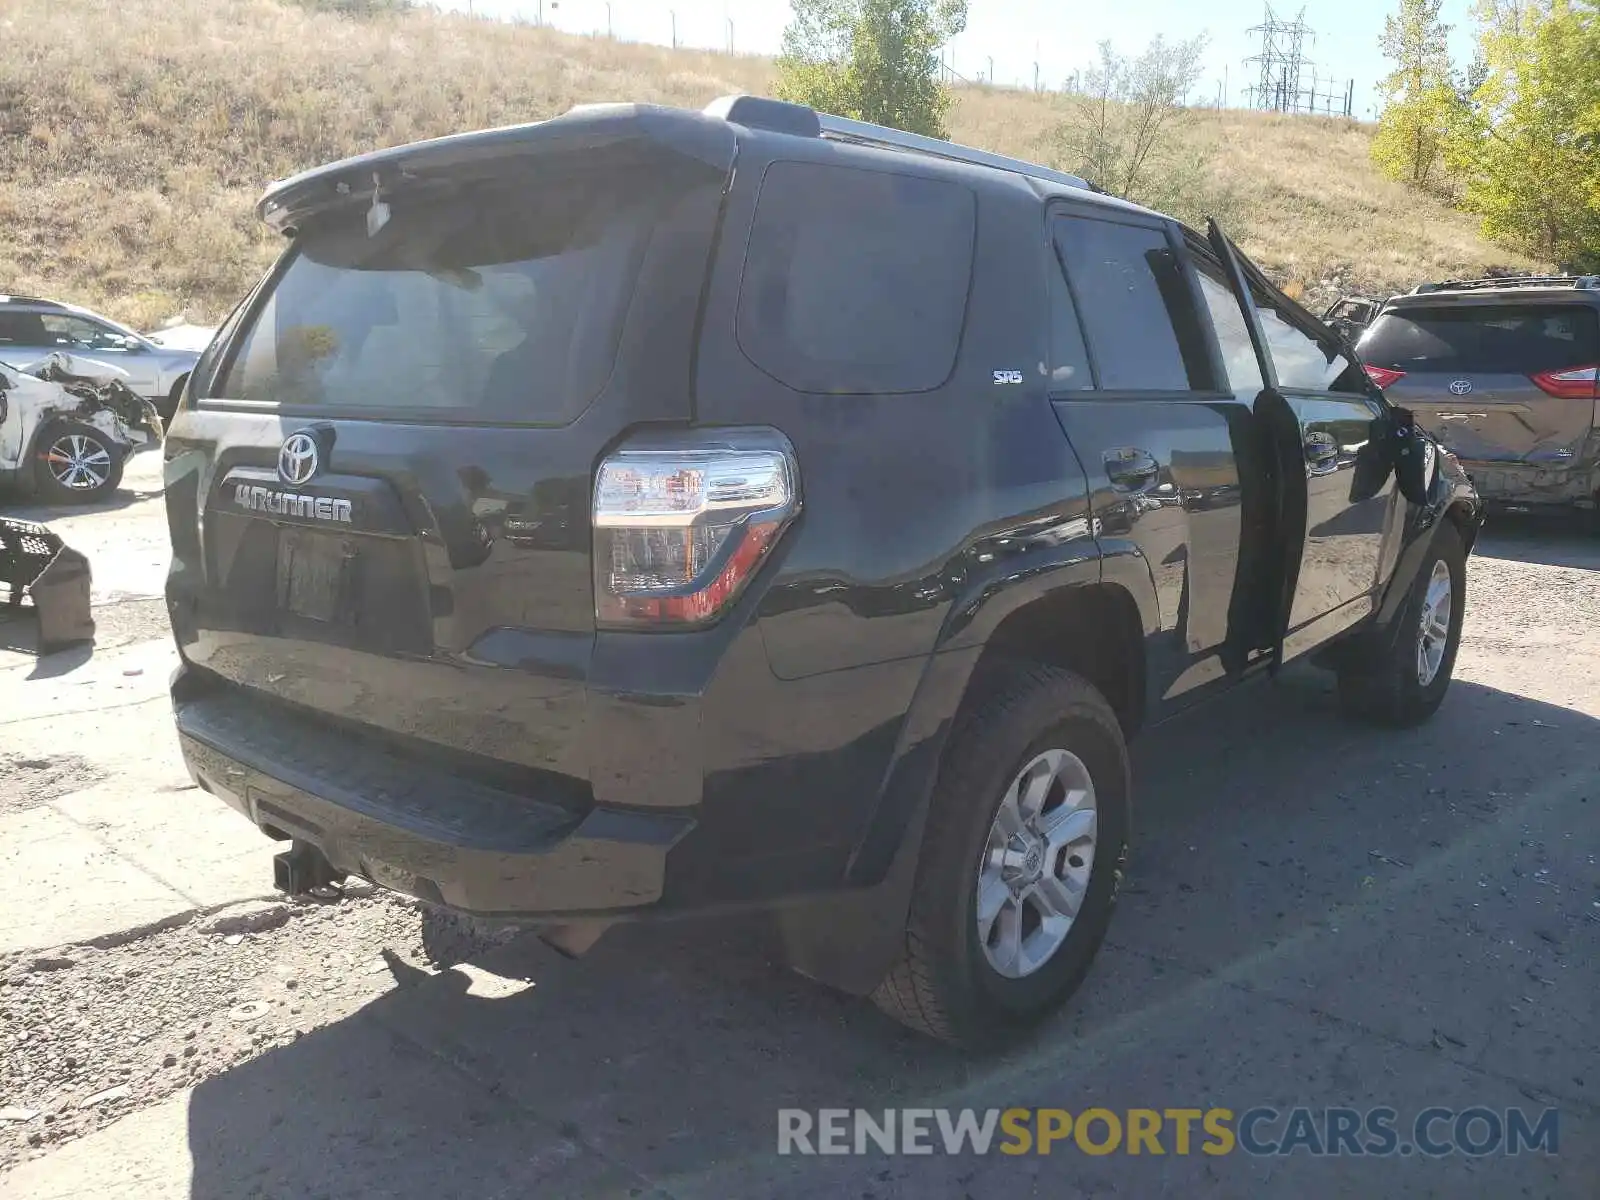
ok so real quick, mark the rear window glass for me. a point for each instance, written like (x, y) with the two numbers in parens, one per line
(1510, 339)
(856, 281)
(503, 296)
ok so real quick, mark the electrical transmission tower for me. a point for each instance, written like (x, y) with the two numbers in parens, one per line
(1281, 59)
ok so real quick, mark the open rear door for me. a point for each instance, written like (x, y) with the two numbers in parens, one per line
(1281, 427)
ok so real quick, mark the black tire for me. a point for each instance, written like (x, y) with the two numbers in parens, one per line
(943, 984)
(1380, 682)
(104, 457)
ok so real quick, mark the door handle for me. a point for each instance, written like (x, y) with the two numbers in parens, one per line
(1322, 452)
(1130, 469)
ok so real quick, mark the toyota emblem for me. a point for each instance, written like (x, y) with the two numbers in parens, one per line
(297, 460)
(1461, 387)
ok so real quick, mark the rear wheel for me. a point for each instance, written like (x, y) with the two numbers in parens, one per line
(1024, 850)
(76, 463)
(1400, 680)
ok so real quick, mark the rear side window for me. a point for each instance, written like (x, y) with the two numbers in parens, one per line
(1515, 339)
(22, 329)
(1069, 358)
(1136, 305)
(1300, 363)
(856, 281)
(501, 297)
(1233, 334)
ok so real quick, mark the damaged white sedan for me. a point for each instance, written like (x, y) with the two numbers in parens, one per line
(68, 426)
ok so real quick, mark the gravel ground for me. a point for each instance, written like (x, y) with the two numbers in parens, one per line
(89, 1035)
(29, 780)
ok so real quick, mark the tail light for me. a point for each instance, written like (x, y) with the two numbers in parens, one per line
(682, 522)
(1577, 383)
(1383, 376)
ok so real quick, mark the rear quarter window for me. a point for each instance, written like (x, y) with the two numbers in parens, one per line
(856, 281)
(1519, 339)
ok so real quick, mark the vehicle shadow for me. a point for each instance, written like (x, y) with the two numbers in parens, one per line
(19, 634)
(670, 1048)
(1552, 539)
(124, 497)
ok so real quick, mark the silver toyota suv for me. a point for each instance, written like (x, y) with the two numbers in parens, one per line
(32, 329)
(1503, 372)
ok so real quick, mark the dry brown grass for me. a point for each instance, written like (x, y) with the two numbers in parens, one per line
(135, 135)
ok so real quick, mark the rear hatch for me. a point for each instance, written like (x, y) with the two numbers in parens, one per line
(1509, 384)
(379, 490)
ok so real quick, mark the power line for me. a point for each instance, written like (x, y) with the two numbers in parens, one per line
(1280, 65)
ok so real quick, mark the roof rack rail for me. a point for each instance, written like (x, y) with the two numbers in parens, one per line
(13, 298)
(1586, 282)
(863, 133)
(782, 116)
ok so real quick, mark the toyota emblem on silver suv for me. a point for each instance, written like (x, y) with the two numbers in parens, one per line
(297, 460)
(1461, 387)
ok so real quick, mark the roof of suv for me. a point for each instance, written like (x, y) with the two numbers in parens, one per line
(37, 302)
(743, 116)
(1511, 289)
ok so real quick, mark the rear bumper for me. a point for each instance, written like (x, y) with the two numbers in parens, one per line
(488, 851)
(1573, 483)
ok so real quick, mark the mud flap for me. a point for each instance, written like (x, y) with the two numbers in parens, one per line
(55, 577)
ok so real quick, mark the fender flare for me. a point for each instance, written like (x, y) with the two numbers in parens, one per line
(875, 893)
(1445, 496)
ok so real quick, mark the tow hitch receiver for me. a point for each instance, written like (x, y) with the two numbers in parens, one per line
(303, 870)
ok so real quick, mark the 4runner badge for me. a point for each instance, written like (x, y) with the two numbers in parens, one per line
(298, 461)
(256, 498)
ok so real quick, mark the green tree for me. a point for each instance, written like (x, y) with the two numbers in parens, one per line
(1528, 148)
(1124, 123)
(1421, 103)
(873, 60)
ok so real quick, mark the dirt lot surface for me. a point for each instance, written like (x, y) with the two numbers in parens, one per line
(1317, 914)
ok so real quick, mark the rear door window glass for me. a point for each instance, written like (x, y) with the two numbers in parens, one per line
(1069, 360)
(22, 329)
(856, 281)
(1137, 307)
(1514, 339)
(1301, 364)
(502, 297)
(1233, 334)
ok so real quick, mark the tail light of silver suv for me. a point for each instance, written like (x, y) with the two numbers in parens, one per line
(682, 522)
(1575, 383)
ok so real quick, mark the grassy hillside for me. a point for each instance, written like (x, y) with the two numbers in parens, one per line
(136, 134)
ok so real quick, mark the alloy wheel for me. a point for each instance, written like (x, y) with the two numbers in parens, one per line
(1036, 864)
(1433, 626)
(78, 462)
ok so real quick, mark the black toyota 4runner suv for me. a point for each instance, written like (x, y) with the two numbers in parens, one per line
(648, 511)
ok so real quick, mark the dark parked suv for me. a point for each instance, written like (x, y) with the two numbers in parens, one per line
(649, 511)
(1503, 372)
